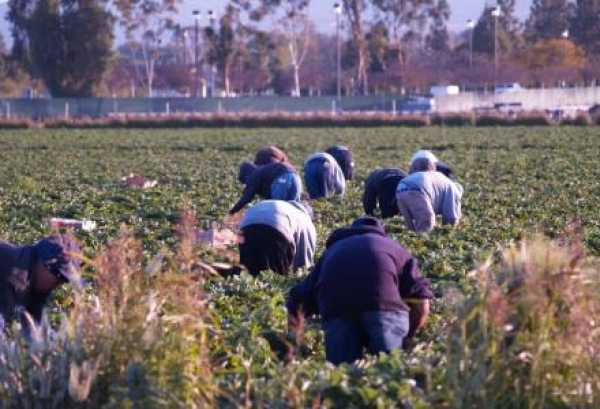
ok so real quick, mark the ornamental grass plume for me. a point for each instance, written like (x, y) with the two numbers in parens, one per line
(530, 336)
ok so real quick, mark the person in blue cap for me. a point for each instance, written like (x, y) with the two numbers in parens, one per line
(368, 291)
(29, 275)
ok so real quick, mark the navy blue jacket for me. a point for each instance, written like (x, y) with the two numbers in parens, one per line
(361, 270)
(380, 187)
(16, 293)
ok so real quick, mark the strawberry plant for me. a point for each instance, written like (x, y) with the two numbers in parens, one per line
(517, 181)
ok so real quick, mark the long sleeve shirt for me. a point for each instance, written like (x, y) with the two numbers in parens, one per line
(293, 221)
(444, 194)
(259, 183)
(381, 187)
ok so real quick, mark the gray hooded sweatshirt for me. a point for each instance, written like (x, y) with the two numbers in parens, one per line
(293, 221)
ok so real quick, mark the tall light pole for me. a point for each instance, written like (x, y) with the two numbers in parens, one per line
(496, 14)
(471, 28)
(337, 7)
(211, 22)
(565, 35)
(196, 14)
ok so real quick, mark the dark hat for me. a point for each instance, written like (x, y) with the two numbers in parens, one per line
(343, 156)
(270, 154)
(58, 253)
(246, 169)
(368, 221)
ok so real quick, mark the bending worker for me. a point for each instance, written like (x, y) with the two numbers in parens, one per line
(344, 158)
(368, 291)
(277, 236)
(273, 181)
(323, 176)
(29, 275)
(426, 193)
(380, 188)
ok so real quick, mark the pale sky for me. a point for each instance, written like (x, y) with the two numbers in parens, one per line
(321, 12)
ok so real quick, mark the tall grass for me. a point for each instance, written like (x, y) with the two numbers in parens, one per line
(137, 338)
(531, 337)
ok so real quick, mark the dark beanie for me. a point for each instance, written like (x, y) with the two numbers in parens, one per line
(58, 253)
(246, 169)
(368, 221)
(343, 156)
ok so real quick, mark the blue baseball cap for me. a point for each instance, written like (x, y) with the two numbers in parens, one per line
(58, 253)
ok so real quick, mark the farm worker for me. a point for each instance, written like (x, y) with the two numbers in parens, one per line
(29, 274)
(343, 156)
(439, 165)
(273, 181)
(277, 236)
(380, 188)
(426, 193)
(270, 154)
(323, 176)
(368, 291)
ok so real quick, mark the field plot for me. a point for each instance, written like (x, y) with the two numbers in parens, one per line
(518, 181)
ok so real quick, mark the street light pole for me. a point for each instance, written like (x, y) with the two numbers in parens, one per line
(471, 27)
(211, 21)
(196, 14)
(495, 14)
(338, 13)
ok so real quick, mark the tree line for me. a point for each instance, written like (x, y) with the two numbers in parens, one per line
(261, 47)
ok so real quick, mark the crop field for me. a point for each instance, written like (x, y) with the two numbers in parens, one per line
(235, 351)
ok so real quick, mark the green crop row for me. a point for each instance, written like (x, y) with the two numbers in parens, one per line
(152, 328)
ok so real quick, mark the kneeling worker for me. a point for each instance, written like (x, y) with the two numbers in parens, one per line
(323, 176)
(277, 181)
(344, 158)
(277, 236)
(29, 274)
(380, 188)
(368, 290)
(426, 193)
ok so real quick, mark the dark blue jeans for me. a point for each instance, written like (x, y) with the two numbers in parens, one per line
(377, 331)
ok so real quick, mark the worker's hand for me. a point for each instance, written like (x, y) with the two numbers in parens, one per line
(419, 311)
(295, 326)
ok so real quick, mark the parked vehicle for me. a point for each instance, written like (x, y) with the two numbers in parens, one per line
(416, 104)
(505, 88)
(441, 90)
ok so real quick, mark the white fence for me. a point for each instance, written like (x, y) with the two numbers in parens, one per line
(565, 99)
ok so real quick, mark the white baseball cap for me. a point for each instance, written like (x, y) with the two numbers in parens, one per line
(424, 154)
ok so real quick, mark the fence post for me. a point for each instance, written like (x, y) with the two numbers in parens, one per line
(220, 107)
(66, 110)
(394, 107)
(167, 108)
(7, 110)
(333, 107)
